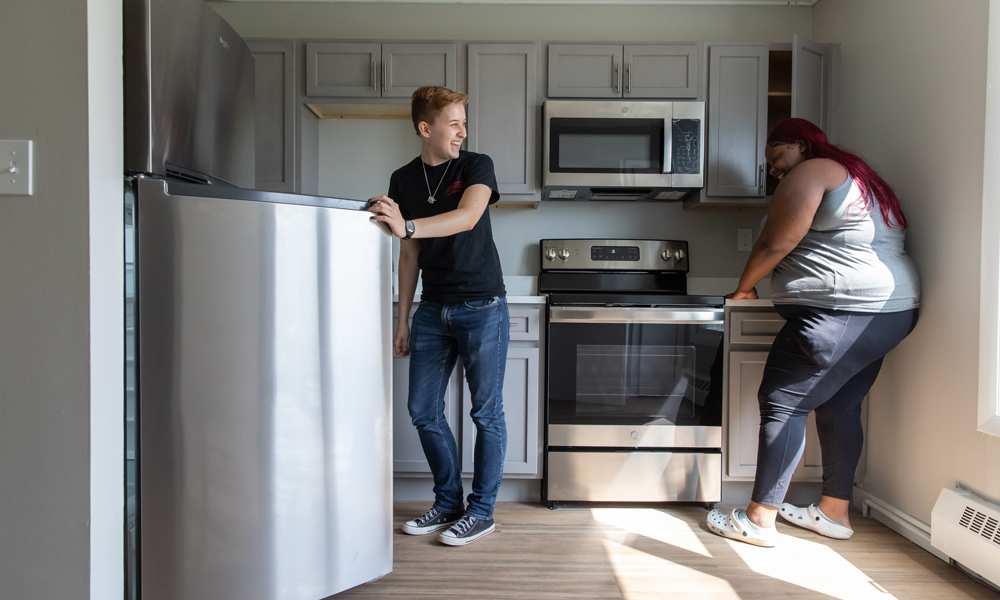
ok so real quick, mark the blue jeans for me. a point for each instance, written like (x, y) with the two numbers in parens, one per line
(479, 332)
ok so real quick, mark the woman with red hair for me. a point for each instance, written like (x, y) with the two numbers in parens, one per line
(833, 246)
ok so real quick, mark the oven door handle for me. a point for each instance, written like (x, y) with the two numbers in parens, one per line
(636, 314)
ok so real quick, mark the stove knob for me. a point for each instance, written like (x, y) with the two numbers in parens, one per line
(634, 435)
(564, 254)
(550, 254)
(665, 255)
(679, 254)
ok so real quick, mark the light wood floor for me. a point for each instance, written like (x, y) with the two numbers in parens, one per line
(658, 553)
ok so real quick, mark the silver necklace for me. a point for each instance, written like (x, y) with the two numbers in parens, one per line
(431, 199)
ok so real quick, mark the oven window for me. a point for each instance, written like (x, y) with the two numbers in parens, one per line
(606, 145)
(633, 374)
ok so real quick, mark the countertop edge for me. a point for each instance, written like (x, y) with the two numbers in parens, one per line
(510, 299)
(748, 303)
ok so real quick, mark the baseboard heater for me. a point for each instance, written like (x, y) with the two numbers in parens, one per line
(967, 529)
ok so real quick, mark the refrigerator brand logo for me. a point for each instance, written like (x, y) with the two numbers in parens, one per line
(224, 43)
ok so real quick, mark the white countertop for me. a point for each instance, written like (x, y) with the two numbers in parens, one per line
(745, 303)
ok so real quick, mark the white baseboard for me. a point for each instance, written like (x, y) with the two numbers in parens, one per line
(895, 519)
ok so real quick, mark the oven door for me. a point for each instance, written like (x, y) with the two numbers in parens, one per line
(639, 377)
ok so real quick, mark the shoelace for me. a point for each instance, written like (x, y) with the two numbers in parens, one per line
(464, 525)
(429, 515)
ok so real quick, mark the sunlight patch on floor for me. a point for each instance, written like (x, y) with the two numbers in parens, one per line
(811, 565)
(651, 523)
(643, 575)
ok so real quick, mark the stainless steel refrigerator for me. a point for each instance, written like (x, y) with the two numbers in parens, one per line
(259, 375)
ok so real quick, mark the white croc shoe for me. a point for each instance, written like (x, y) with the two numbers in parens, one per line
(811, 517)
(737, 526)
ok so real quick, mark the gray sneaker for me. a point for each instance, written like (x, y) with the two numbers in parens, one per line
(467, 530)
(431, 521)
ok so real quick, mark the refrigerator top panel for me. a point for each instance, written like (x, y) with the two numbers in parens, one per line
(189, 94)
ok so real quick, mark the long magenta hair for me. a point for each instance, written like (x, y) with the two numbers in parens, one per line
(874, 189)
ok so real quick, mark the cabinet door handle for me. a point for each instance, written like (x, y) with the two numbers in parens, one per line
(628, 78)
(760, 179)
(618, 87)
(374, 76)
(384, 69)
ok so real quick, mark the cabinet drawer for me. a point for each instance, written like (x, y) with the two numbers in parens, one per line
(754, 327)
(523, 323)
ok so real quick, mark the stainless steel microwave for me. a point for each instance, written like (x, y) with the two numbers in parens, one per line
(622, 150)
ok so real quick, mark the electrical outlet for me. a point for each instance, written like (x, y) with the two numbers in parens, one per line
(15, 167)
(744, 239)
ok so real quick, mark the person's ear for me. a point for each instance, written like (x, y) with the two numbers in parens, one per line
(802, 146)
(424, 129)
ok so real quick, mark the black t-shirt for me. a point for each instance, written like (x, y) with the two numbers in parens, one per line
(460, 267)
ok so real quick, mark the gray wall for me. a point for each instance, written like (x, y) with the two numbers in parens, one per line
(923, 129)
(711, 234)
(61, 455)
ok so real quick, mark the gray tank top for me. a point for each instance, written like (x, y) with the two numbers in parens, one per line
(849, 260)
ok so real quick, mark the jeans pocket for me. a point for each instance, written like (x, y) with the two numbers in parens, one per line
(481, 304)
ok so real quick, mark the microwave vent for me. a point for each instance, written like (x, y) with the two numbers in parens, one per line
(623, 194)
(671, 195)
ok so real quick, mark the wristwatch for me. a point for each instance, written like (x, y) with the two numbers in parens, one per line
(409, 230)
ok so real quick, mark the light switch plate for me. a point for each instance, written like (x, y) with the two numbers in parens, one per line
(15, 167)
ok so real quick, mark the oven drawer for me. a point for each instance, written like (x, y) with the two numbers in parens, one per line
(636, 436)
(634, 476)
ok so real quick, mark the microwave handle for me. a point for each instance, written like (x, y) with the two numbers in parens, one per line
(668, 144)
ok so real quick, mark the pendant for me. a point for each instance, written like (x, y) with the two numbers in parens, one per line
(431, 199)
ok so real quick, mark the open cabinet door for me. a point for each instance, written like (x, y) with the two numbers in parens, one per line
(811, 64)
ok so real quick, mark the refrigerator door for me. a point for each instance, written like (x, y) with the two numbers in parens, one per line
(264, 394)
(189, 94)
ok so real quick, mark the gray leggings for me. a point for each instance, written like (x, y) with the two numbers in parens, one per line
(822, 360)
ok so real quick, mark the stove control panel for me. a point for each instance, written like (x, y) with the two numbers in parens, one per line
(614, 255)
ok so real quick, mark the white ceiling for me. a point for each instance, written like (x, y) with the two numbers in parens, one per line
(569, 2)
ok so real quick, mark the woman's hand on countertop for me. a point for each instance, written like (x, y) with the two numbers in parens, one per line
(751, 295)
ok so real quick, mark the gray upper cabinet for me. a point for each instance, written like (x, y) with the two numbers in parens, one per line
(737, 120)
(623, 71)
(750, 88)
(373, 70)
(275, 137)
(811, 81)
(503, 114)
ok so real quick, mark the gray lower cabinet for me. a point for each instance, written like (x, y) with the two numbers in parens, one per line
(520, 405)
(522, 408)
(374, 70)
(749, 334)
(642, 71)
(275, 137)
(407, 454)
(503, 115)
